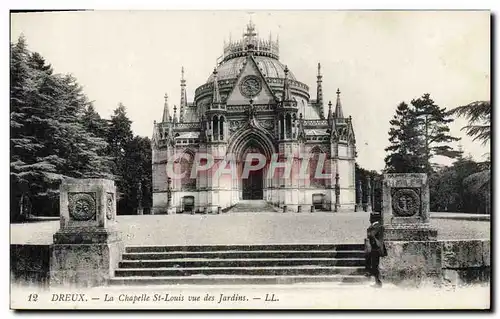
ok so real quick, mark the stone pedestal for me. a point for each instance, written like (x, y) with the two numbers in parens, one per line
(413, 253)
(87, 247)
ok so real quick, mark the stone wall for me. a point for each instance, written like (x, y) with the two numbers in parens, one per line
(447, 262)
(466, 261)
(30, 264)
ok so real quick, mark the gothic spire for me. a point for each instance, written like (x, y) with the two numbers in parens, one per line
(329, 110)
(338, 107)
(319, 89)
(183, 103)
(331, 120)
(287, 96)
(166, 113)
(216, 96)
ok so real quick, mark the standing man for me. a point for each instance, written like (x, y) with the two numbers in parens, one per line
(375, 248)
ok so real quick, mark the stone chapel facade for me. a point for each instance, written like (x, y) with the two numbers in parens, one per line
(252, 103)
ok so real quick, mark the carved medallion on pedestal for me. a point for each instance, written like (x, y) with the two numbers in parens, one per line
(405, 202)
(82, 206)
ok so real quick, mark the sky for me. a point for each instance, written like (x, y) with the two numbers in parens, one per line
(377, 59)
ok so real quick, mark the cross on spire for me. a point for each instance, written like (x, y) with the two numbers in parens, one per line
(250, 33)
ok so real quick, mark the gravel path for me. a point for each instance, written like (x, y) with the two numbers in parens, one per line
(246, 228)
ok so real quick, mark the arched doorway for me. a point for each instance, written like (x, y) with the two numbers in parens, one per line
(251, 140)
(252, 186)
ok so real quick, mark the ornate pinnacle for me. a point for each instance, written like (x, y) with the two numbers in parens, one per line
(166, 114)
(338, 107)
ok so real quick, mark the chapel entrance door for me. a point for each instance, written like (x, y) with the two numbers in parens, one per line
(252, 186)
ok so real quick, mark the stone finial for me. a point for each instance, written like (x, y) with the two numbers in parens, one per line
(338, 107)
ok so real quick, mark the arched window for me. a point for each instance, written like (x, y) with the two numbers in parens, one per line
(317, 158)
(288, 121)
(186, 165)
(282, 127)
(221, 131)
(215, 127)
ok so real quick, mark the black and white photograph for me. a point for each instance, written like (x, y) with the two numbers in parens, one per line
(239, 159)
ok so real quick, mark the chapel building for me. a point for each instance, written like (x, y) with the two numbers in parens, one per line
(252, 103)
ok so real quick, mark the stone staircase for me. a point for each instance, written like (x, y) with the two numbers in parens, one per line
(249, 206)
(241, 264)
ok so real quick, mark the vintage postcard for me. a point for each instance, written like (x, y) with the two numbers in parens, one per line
(250, 160)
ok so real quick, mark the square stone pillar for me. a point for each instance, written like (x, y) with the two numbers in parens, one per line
(413, 253)
(405, 207)
(87, 247)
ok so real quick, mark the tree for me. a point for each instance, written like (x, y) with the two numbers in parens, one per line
(119, 136)
(418, 132)
(432, 123)
(137, 182)
(22, 88)
(448, 190)
(405, 143)
(94, 123)
(478, 115)
(48, 139)
(363, 175)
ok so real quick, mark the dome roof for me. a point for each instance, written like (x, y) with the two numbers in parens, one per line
(269, 67)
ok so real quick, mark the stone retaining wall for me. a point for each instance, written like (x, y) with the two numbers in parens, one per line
(466, 261)
(444, 262)
(30, 264)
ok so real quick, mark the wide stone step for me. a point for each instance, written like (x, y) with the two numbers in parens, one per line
(232, 280)
(274, 247)
(254, 271)
(243, 254)
(247, 206)
(202, 262)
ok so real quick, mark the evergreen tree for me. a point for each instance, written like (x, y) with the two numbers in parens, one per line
(22, 88)
(138, 180)
(48, 139)
(405, 143)
(418, 132)
(478, 115)
(432, 123)
(119, 136)
(94, 123)
(448, 191)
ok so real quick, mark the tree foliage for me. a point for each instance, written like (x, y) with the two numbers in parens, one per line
(450, 192)
(432, 124)
(418, 133)
(478, 114)
(56, 134)
(405, 143)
